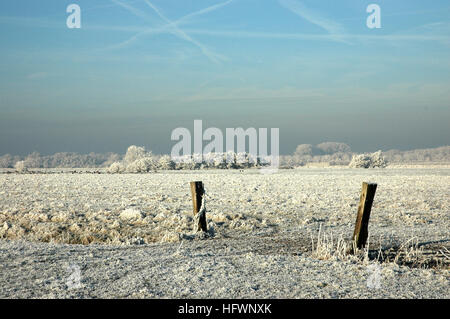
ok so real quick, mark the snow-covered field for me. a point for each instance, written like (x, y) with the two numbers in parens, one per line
(139, 228)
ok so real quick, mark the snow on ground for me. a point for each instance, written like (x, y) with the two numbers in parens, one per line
(139, 231)
(224, 268)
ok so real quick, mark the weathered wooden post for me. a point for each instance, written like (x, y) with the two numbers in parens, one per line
(362, 219)
(197, 191)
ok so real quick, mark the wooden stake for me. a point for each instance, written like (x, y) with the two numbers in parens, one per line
(197, 191)
(362, 219)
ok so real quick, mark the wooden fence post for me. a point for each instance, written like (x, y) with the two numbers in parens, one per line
(197, 191)
(362, 219)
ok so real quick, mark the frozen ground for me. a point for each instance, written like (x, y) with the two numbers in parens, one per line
(139, 231)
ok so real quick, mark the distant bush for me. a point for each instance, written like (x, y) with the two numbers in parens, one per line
(329, 152)
(166, 163)
(135, 153)
(115, 168)
(141, 165)
(136, 160)
(439, 154)
(333, 153)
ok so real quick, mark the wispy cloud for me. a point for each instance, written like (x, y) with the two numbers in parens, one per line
(241, 34)
(319, 37)
(332, 27)
(432, 32)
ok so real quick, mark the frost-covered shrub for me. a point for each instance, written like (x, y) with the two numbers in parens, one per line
(286, 161)
(136, 160)
(20, 167)
(219, 160)
(197, 159)
(189, 162)
(116, 168)
(230, 159)
(268, 160)
(208, 160)
(166, 163)
(373, 160)
(185, 162)
(142, 165)
(131, 214)
(243, 160)
(214, 160)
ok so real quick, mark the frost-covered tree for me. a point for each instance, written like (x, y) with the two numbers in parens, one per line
(374, 160)
(340, 158)
(138, 160)
(134, 153)
(304, 149)
(33, 160)
(20, 167)
(333, 147)
(439, 154)
(6, 161)
(112, 158)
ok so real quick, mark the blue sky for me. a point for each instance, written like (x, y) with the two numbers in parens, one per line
(136, 70)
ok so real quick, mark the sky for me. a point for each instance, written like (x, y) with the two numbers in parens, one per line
(138, 69)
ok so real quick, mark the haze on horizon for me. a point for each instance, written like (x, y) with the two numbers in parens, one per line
(138, 69)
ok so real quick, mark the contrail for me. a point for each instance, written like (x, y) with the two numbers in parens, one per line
(172, 27)
(132, 9)
(182, 35)
(296, 7)
(206, 10)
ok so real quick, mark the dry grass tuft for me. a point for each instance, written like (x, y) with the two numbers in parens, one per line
(327, 248)
(411, 253)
